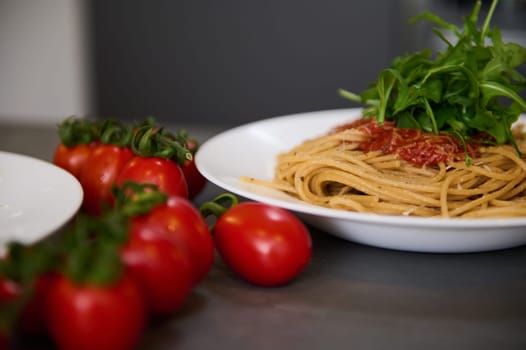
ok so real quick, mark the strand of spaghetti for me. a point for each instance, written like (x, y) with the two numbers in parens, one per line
(488, 173)
(508, 152)
(457, 174)
(491, 184)
(514, 192)
(348, 203)
(396, 179)
(364, 182)
(521, 201)
(373, 205)
(497, 212)
(281, 186)
(431, 175)
(388, 180)
(367, 160)
(486, 197)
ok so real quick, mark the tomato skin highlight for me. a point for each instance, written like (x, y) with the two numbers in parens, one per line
(266, 245)
(164, 173)
(162, 269)
(91, 317)
(99, 174)
(179, 219)
(72, 159)
(9, 290)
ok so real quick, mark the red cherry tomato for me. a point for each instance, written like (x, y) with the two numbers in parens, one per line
(195, 180)
(72, 159)
(164, 173)
(162, 269)
(99, 174)
(265, 245)
(87, 317)
(184, 224)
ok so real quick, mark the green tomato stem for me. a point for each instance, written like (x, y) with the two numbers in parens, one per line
(133, 199)
(152, 141)
(218, 206)
(115, 133)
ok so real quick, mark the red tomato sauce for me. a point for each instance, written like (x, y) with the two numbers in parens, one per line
(413, 145)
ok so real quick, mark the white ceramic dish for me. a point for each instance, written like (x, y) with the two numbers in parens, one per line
(251, 149)
(36, 198)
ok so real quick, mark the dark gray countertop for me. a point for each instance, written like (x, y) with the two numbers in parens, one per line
(350, 297)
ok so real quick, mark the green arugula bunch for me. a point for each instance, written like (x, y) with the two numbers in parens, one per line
(469, 88)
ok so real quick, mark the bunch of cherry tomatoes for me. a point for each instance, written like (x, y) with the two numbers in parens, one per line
(139, 245)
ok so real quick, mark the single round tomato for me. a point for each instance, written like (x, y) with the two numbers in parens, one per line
(72, 159)
(187, 228)
(265, 245)
(99, 174)
(195, 180)
(87, 317)
(162, 269)
(164, 173)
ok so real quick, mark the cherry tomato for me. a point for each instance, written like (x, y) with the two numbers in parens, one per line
(162, 269)
(164, 173)
(184, 224)
(87, 317)
(72, 159)
(195, 180)
(265, 245)
(99, 174)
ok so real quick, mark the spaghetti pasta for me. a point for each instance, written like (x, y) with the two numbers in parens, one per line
(335, 171)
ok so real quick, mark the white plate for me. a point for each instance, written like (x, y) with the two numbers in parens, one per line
(251, 150)
(36, 198)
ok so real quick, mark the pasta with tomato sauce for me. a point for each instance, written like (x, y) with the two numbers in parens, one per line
(365, 167)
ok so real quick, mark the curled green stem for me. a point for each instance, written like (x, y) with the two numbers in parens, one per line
(115, 133)
(93, 249)
(74, 131)
(219, 205)
(151, 141)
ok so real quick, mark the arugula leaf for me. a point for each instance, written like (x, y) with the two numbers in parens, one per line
(473, 86)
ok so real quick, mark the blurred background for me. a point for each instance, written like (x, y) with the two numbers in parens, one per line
(219, 63)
